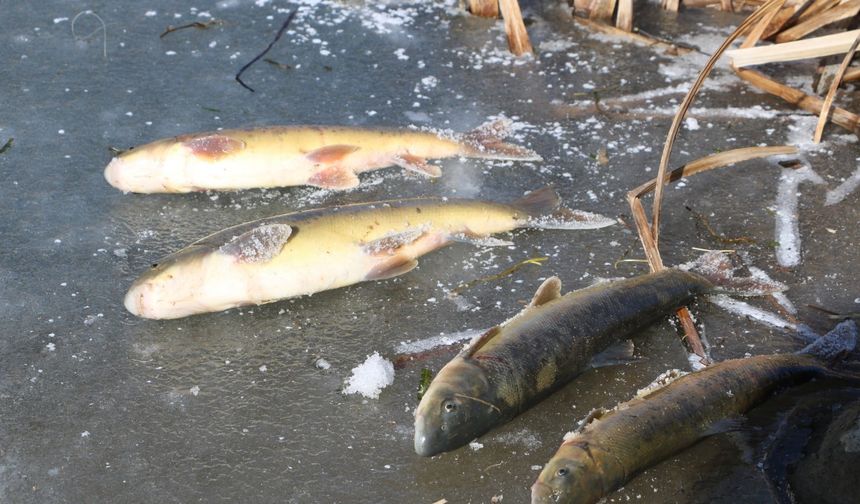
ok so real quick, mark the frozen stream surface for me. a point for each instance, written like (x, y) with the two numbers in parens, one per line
(247, 405)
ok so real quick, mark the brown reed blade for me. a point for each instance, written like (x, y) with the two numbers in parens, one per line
(828, 100)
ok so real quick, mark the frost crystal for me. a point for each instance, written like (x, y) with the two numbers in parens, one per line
(370, 377)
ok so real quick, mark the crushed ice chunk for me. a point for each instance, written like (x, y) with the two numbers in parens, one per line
(475, 445)
(370, 377)
(194, 390)
(322, 364)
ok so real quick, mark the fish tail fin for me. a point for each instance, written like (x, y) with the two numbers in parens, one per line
(719, 269)
(840, 341)
(485, 141)
(544, 210)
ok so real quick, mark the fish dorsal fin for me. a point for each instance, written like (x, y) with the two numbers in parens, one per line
(548, 291)
(480, 341)
(260, 244)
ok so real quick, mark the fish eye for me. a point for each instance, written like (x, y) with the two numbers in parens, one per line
(154, 265)
(450, 406)
(562, 471)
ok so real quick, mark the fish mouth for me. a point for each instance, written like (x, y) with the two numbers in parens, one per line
(112, 172)
(423, 443)
(135, 300)
(542, 494)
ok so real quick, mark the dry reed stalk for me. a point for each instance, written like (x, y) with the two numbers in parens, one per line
(814, 8)
(750, 21)
(852, 74)
(831, 93)
(711, 162)
(624, 16)
(633, 36)
(756, 32)
(780, 21)
(726, 5)
(518, 37)
(843, 11)
(601, 10)
(812, 104)
(484, 8)
(817, 47)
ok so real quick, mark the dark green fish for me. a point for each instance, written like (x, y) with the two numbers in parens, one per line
(614, 446)
(555, 338)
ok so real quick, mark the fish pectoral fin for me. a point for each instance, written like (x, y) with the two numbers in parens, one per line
(392, 242)
(260, 244)
(479, 240)
(417, 164)
(391, 267)
(618, 353)
(212, 147)
(331, 153)
(730, 424)
(334, 177)
(549, 290)
(480, 341)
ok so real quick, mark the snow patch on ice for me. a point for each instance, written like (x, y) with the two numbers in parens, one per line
(747, 310)
(844, 189)
(423, 345)
(370, 377)
(787, 227)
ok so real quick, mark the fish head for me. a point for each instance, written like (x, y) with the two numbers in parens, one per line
(572, 476)
(456, 409)
(146, 169)
(181, 284)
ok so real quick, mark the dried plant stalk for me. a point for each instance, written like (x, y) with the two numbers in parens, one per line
(518, 37)
(758, 30)
(828, 100)
(750, 21)
(817, 47)
(601, 10)
(647, 239)
(815, 7)
(813, 104)
(852, 74)
(843, 11)
(782, 19)
(484, 8)
(624, 16)
(633, 36)
(726, 5)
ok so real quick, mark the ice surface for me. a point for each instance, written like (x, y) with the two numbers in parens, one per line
(370, 377)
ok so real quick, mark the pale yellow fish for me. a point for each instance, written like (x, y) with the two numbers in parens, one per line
(278, 156)
(311, 251)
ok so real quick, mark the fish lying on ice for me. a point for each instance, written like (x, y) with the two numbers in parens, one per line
(613, 446)
(316, 250)
(555, 338)
(278, 156)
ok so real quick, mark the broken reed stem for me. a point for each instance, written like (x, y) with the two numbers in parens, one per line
(711, 162)
(812, 104)
(484, 8)
(688, 101)
(515, 28)
(672, 5)
(831, 93)
(633, 36)
(624, 16)
(601, 10)
(826, 45)
(756, 33)
(843, 11)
